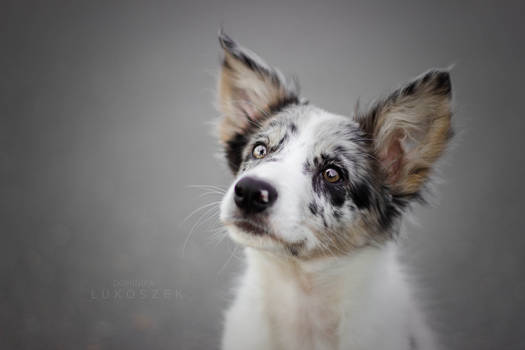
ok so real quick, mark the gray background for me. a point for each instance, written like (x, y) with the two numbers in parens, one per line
(105, 110)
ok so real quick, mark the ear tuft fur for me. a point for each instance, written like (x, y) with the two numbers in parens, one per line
(226, 42)
(410, 130)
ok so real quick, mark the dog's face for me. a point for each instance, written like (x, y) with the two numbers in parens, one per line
(310, 183)
(304, 179)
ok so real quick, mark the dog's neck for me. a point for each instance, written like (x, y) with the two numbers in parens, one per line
(308, 275)
(305, 298)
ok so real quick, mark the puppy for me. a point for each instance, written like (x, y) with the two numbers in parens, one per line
(316, 204)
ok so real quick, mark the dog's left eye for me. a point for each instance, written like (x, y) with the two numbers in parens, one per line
(331, 175)
(259, 151)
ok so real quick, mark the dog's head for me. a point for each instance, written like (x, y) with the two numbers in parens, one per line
(310, 183)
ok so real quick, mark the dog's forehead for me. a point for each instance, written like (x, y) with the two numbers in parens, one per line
(314, 128)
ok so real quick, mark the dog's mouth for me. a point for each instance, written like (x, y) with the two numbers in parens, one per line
(261, 229)
(255, 227)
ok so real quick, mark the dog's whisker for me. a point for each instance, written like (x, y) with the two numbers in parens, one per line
(199, 209)
(227, 260)
(211, 187)
(207, 215)
(209, 193)
(218, 233)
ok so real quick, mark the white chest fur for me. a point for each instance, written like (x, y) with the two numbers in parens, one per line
(359, 302)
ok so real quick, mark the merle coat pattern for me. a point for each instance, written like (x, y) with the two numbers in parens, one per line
(317, 202)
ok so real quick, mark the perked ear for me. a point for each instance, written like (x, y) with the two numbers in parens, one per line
(249, 92)
(410, 130)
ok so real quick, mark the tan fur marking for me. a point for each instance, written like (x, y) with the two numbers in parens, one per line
(246, 94)
(364, 231)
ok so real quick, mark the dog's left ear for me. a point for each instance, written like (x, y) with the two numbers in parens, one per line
(410, 130)
(249, 92)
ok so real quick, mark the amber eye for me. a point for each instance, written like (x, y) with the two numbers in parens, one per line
(331, 175)
(259, 151)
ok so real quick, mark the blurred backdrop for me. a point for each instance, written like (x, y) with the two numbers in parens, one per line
(105, 128)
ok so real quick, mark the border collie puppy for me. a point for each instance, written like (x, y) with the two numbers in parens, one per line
(316, 203)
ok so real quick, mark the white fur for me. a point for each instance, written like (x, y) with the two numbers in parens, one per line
(357, 302)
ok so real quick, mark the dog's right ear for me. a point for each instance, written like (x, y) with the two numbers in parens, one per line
(250, 91)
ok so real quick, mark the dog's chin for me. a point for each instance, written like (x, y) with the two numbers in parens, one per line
(252, 227)
(252, 234)
(261, 236)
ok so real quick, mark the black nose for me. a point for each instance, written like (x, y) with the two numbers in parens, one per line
(253, 195)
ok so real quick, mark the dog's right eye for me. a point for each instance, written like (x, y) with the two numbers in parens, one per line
(259, 151)
(331, 175)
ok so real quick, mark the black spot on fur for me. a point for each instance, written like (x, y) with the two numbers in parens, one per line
(391, 208)
(280, 143)
(307, 167)
(409, 89)
(439, 80)
(314, 209)
(274, 123)
(360, 194)
(340, 150)
(293, 128)
(360, 138)
(234, 149)
(337, 214)
(337, 195)
(284, 102)
(325, 224)
(443, 84)
(293, 251)
(426, 78)
(272, 159)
